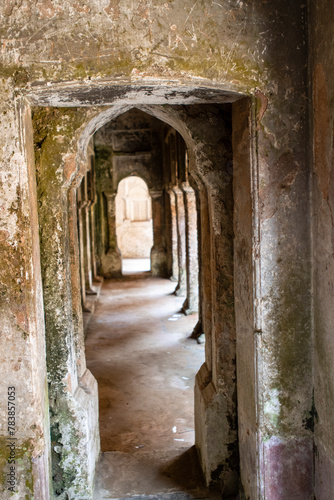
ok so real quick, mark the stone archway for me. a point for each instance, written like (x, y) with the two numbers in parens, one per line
(134, 231)
(210, 165)
(212, 173)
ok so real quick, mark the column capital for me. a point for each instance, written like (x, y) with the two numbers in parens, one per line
(177, 190)
(156, 193)
(110, 195)
(186, 188)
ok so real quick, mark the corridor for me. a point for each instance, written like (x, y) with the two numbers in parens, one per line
(139, 351)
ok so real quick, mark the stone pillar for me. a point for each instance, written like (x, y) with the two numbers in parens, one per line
(158, 251)
(91, 220)
(24, 408)
(284, 331)
(273, 303)
(72, 388)
(75, 262)
(85, 243)
(247, 299)
(174, 242)
(100, 227)
(81, 252)
(88, 247)
(191, 303)
(205, 275)
(181, 288)
(93, 242)
(198, 332)
(112, 259)
(215, 401)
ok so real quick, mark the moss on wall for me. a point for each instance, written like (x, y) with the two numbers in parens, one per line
(55, 133)
(226, 41)
(23, 463)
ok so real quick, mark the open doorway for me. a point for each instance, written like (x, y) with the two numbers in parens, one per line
(192, 215)
(134, 229)
(206, 129)
(139, 345)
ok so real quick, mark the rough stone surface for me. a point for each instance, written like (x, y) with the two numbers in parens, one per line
(322, 115)
(23, 380)
(72, 396)
(245, 296)
(191, 233)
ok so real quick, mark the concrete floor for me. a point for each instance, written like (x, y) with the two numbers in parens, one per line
(138, 350)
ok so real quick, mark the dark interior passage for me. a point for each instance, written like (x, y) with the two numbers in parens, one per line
(139, 351)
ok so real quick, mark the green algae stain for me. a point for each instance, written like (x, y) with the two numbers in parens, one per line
(55, 135)
(23, 466)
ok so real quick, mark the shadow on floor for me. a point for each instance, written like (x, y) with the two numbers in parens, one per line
(185, 471)
(179, 479)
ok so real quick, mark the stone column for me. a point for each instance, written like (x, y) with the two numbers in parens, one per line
(88, 247)
(158, 251)
(91, 220)
(174, 242)
(83, 254)
(75, 262)
(215, 401)
(191, 303)
(81, 251)
(284, 329)
(112, 259)
(93, 242)
(24, 408)
(273, 301)
(72, 388)
(181, 288)
(205, 276)
(101, 239)
(247, 299)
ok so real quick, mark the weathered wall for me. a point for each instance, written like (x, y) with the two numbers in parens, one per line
(245, 294)
(72, 389)
(321, 75)
(130, 144)
(99, 52)
(215, 40)
(25, 441)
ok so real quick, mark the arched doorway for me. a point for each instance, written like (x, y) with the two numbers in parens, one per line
(216, 386)
(134, 228)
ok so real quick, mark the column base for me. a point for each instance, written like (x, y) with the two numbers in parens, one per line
(111, 265)
(159, 262)
(324, 472)
(75, 439)
(188, 310)
(197, 331)
(286, 470)
(214, 442)
(180, 291)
